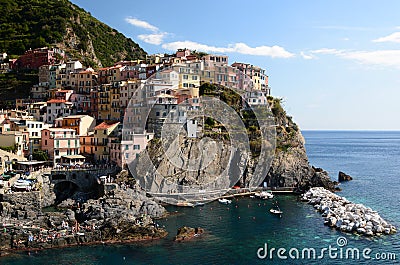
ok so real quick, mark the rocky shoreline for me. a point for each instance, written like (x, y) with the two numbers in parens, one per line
(346, 216)
(122, 215)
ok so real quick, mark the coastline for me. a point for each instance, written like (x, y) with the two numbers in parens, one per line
(7, 252)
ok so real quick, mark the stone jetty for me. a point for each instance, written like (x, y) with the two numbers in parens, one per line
(346, 216)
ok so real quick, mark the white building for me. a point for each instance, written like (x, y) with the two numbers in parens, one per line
(57, 108)
(34, 129)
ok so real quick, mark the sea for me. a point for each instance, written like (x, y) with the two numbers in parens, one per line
(244, 232)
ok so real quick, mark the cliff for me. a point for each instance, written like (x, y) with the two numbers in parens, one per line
(290, 166)
(210, 160)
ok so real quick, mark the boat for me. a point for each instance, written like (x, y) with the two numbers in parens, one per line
(224, 201)
(22, 185)
(264, 195)
(185, 204)
(199, 204)
(276, 210)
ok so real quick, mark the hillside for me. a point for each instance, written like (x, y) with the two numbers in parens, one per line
(36, 23)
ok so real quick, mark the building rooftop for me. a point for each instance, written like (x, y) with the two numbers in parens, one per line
(105, 125)
(60, 130)
(56, 101)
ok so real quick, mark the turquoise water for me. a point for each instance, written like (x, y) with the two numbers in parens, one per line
(235, 232)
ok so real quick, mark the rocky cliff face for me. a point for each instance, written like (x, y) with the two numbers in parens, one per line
(290, 166)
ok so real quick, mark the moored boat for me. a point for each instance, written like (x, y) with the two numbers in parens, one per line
(224, 201)
(264, 195)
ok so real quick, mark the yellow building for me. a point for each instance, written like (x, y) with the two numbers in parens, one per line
(104, 102)
(96, 143)
(82, 124)
(116, 109)
(187, 76)
(84, 81)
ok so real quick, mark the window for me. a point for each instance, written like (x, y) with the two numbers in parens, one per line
(136, 147)
(126, 147)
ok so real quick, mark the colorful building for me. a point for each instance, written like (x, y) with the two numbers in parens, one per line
(81, 124)
(96, 143)
(59, 142)
(57, 108)
(33, 59)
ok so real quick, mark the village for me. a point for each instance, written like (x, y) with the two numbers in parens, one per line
(74, 117)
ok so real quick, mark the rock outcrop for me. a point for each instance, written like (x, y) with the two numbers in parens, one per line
(290, 167)
(123, 214)
(187, 233)
(344, 177)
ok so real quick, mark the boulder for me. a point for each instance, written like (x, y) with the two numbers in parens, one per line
(187, 233)
(344, 177)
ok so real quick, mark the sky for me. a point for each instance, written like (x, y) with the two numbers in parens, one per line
(335, 64)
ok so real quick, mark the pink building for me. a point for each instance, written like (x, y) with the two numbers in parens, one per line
(59, 142)
(130, 147)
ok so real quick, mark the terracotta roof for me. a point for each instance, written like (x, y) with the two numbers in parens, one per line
(105, 125)
(60, 130)
(87, 72)
(7, 121)
(56, 101)
(65, 91)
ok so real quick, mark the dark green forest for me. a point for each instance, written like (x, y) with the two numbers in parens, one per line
(37, 23)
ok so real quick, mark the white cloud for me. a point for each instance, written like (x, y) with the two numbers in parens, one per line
(306, 56)
(378, 57)
(156, 38)
(242, 48)
(327, 51)
(141, 24)
(394, 37)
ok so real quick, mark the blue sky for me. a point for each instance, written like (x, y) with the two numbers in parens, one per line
(336, 64)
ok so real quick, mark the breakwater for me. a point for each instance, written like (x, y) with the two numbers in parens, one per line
(346, 216)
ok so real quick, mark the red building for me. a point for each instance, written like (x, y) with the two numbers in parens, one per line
(33, 59)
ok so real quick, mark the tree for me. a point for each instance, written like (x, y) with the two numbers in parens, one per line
(40, 155)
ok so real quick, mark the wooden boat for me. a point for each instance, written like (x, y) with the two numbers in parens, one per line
(185, 204)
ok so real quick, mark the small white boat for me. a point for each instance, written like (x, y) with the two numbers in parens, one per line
(22, 185)
(199, 204)
(275, 211)
(224, 201)
(264, 195)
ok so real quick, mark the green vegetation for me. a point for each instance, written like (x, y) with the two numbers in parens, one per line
(37, 23)
(11, 149)
(40, 155)
(16, 85)
(286, 129)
